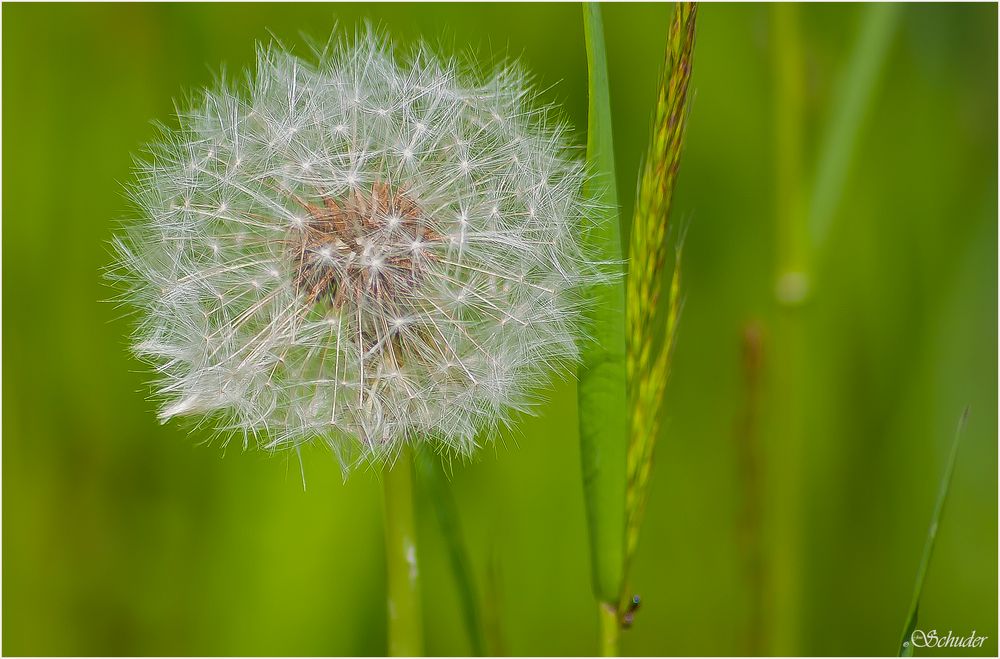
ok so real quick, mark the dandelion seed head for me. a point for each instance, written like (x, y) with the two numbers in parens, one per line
(382, 265)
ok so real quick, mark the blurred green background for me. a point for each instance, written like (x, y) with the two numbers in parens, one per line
(122, 536)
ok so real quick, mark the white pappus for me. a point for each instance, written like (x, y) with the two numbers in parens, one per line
(359, 249)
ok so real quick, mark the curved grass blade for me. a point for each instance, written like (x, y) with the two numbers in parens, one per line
(434, 482)
(601, 392)
(905, 646)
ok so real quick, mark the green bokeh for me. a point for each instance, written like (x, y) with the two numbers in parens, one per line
(122, 536)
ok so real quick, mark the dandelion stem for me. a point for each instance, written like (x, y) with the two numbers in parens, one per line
(402, 575)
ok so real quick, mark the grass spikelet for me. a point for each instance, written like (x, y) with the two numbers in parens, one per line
(647, 357)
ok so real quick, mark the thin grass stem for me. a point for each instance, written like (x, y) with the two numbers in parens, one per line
(905, 645)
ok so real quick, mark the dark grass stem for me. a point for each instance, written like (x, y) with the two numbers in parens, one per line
(496, 644)
(748, 451)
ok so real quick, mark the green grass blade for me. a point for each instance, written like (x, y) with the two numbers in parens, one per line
(905, 646)
(852, 98)
(435, 484)
(601, 393)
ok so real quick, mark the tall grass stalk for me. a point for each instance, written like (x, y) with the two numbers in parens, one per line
(651, 317)
(405, 621)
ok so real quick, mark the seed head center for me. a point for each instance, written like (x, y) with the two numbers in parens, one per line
(359, 247)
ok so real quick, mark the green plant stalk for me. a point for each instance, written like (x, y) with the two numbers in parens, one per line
(610, 625)
(747, 444)
(647, 362)
(402, 573)
(784, 473)
(789, 78)
(905, 647)
(601, 388)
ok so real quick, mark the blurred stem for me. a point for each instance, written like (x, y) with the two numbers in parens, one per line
(402, 575)
(803, 219)
(747, 437)
(493, 632)
(852, 97)
(609, 629)
(793, 238)
(792, 287)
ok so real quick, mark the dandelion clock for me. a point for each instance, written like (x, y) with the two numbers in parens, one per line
(359, 249)
(358, 252)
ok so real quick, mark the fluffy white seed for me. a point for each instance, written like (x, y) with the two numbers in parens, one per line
(359, 251)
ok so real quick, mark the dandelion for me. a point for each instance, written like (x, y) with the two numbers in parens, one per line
(361, 250)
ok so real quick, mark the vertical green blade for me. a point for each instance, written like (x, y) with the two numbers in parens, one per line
(603, 421)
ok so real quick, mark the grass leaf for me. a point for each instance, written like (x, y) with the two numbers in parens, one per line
(905, 646)
(601, 393)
